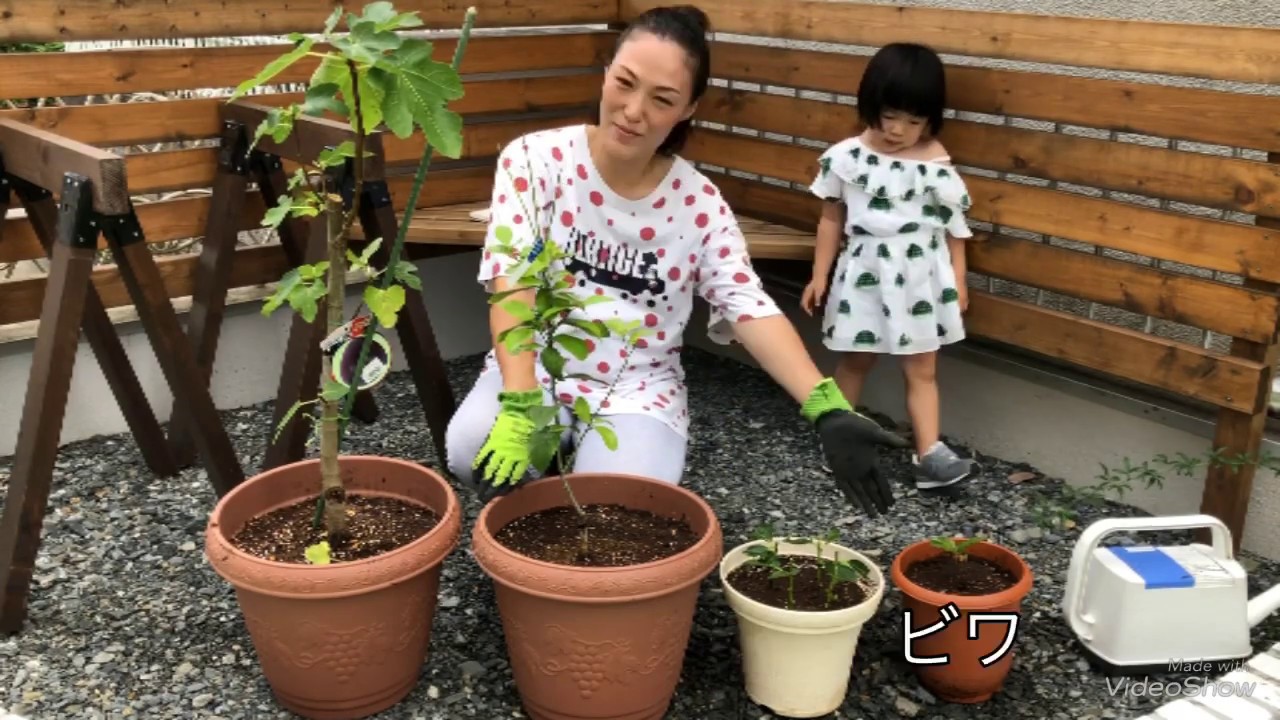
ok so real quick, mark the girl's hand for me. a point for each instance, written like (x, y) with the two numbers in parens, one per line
(962, 289)
(813, 294)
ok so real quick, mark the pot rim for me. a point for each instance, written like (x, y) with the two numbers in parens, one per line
(1011, 594)
(873, 598)
(452, 510)
(711, 534)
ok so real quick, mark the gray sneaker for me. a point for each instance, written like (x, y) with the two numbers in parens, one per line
(941, 467)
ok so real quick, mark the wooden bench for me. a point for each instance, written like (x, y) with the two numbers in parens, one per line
(1126, 226)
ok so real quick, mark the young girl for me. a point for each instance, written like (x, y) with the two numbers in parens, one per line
(893, 198)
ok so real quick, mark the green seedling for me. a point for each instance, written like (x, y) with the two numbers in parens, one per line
(957, 546)
(832, 571)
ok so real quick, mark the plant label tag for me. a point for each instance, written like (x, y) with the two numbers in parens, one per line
(371, 371)
(349, 330)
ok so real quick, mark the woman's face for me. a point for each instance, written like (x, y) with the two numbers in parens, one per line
(647, 90)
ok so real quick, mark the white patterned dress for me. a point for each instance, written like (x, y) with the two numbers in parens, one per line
(893, 290)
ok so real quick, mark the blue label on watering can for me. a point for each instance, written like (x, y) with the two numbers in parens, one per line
(1155, 567)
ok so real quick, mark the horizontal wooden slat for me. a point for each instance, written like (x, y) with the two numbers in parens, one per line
(155, 69)
(1219, 380)
(251, 266)
(188, 169)
(1220, 52)
(181, 219)
(1210, 116)
(1225, 182)
(1227, 309)
(64, 20)
(1229, 247)
(183, 120)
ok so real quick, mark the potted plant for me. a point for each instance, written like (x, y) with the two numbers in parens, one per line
(336, 560)
(801, 604)
(972, 590)
(596, 576)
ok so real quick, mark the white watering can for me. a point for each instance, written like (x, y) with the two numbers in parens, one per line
(1162, 609)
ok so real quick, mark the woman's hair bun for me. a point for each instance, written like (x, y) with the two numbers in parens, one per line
(691, 16)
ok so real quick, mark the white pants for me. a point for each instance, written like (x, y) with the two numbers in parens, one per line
(646, 445)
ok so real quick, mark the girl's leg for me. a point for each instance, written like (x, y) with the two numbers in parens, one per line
(920, 372)
(646, 446)
(851, 373)
(936, 465)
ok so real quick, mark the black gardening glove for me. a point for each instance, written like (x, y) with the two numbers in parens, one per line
(851, 444)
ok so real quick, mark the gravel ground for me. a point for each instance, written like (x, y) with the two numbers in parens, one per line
(127, 619)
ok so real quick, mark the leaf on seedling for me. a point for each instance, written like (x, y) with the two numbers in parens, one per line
(406, 273)
(318, 554)
(609, 437)
(594, 328)
(759, 551)
(516, 337)
(581, 409)
(288, 282)
(335, 156)
(553, 361)
(575, 345)
(1021, 477)
(334, 18)
(541, 415)
(418, 89)
(384, 303)
(543, 444)
(519, 309)
(324, 98)
(333, 390)
(273, 68)
(763, 532)
(277, 214)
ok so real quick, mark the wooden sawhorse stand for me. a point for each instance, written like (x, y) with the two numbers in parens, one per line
(94, 201)
(300, 372)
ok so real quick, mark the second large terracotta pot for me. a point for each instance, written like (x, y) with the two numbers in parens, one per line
(587, 642)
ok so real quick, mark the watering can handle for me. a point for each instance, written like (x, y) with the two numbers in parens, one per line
(1093, 535)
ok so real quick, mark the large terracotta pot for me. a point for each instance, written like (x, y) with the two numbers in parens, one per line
(963, 678)
(597, 642)
(345, 640)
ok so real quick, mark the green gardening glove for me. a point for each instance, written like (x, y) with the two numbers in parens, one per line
(504, 457)
(851, 443)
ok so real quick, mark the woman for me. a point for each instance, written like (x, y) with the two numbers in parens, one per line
(649, 231)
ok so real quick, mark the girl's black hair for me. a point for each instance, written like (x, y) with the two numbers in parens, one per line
(906, 77)
(687, 26)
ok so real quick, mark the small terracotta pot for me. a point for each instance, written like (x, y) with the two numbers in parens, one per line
(589, 642)
(797, 662)
(345, 640)
(963, 678)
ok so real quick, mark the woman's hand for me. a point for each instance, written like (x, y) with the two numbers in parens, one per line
(851, 443)
(962, 289)
(813, 294)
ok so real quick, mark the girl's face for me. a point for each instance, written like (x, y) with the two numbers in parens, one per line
(899, 130)
(647, 91)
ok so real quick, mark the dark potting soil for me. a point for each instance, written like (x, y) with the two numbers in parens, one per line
(616, 536)
(809, 591)
(375, 525)
(972, 576)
